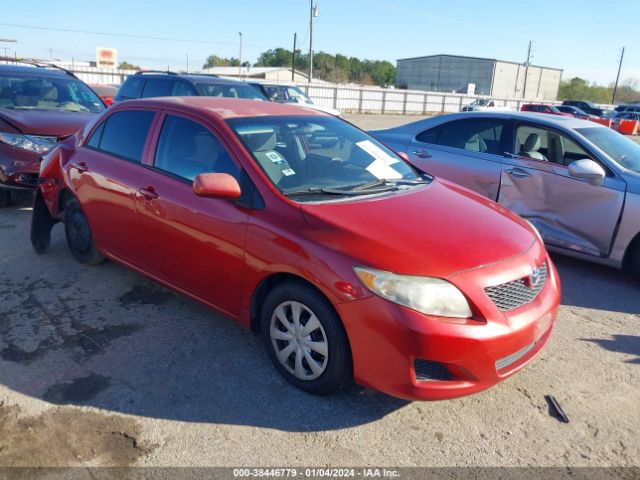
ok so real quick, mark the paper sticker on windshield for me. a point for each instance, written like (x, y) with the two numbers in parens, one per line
(383, 172)
(275, 157)
(376, 152)
(288, 172)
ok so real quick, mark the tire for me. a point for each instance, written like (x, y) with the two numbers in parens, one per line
(6, 198)
(322, 369)
(78, 233)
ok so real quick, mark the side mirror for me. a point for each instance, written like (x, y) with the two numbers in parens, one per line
(588, 170)
(216, 185)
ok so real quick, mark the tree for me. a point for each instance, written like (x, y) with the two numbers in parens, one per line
(216, 61)
(127, 66)
(580, 89)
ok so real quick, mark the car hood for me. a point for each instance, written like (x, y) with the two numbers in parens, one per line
(436, 230)
(41, 122)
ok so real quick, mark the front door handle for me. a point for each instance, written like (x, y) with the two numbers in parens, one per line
(518, 173)
(421, 153)
(81, 167)
(149, 193)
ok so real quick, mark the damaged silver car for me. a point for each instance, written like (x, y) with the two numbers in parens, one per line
(576, 181)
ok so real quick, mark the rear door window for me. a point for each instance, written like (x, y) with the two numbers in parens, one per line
(124, 134)
(182, 89)
(478, 135)
(157, 87)
(131, 88)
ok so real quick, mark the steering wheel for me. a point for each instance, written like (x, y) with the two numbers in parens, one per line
(76, 107)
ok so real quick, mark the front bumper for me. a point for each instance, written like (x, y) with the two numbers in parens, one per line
(19, 168)
(387, 339)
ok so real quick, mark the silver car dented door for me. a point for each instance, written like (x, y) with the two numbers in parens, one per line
(570, 213)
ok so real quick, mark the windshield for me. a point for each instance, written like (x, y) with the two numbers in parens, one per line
(230, 90)
(619, 148)
(31, 92)
(481, 102)
(321, 155)
(286, 94)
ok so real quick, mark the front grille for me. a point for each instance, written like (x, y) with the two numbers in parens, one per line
(427, 371)
(512, 295)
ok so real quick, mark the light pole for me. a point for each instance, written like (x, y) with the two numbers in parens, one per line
(313, 12)
(7, 40)
(240, 59)
(187, 55)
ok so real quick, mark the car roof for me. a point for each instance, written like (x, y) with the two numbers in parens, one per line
(223, 108)
(562, 123)
(39, 71)
(191, 77)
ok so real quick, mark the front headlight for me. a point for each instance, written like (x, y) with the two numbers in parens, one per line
(432, 296)
(32, 143)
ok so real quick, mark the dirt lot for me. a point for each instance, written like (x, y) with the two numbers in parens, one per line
(99, 366)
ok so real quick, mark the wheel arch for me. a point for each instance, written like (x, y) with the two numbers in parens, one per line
(634, 246)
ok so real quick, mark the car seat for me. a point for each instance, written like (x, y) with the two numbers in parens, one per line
(263, 145)
(531, 147)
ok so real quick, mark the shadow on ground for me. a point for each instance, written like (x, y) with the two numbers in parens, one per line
(590, 285)
(108, 338)
(627, 344)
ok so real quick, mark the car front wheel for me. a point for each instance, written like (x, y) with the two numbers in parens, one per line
(6, 197)
(78, 233)
(635, 261)
(305, 339)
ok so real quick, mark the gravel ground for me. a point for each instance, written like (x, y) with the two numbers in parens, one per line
(99, 366)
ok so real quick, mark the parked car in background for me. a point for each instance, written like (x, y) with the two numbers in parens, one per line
(587, 107)
(106, 92)
(541, 108)
(484, 104)
(290, 94)
(628, 107)
(40, 104)
(347, 260)
(575, 112)
(578, 182)
(146, 84)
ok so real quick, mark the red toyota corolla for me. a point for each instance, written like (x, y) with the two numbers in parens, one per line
(348, 261)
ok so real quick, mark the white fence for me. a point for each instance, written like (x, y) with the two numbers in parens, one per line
(349, 98)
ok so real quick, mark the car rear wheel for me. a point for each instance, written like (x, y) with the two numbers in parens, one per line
(78, 233)
(6, 197)
(305, 339)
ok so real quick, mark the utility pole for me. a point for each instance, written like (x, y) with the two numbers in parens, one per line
(526, 70)
(312, 13)
(51, 54)
(293, 58)
(615, 88)
(240, 59)
(187, 55)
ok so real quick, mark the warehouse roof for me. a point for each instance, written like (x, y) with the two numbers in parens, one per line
(476, 58)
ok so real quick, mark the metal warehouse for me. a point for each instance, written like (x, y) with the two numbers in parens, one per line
(480, 76)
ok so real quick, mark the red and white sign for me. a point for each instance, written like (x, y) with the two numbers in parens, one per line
(106, 57)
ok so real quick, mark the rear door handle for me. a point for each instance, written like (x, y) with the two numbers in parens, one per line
(421, 153)
(518, 173)
(149, 193)
(81, 167)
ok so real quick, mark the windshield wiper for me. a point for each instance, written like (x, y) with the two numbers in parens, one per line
(335, 191)
(387, 182)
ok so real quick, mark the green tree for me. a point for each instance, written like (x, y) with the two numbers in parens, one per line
(580, 89)
(127, 66)
(216, 61)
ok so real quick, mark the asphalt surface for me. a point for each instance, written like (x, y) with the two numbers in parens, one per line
(99, 366)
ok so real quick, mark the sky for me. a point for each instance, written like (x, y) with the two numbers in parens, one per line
(582, 37)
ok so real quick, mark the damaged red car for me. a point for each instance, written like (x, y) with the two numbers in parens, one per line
(348, 261)
(40, 104)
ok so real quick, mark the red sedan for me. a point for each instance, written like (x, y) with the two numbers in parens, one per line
(541, 108)
(347, 260)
